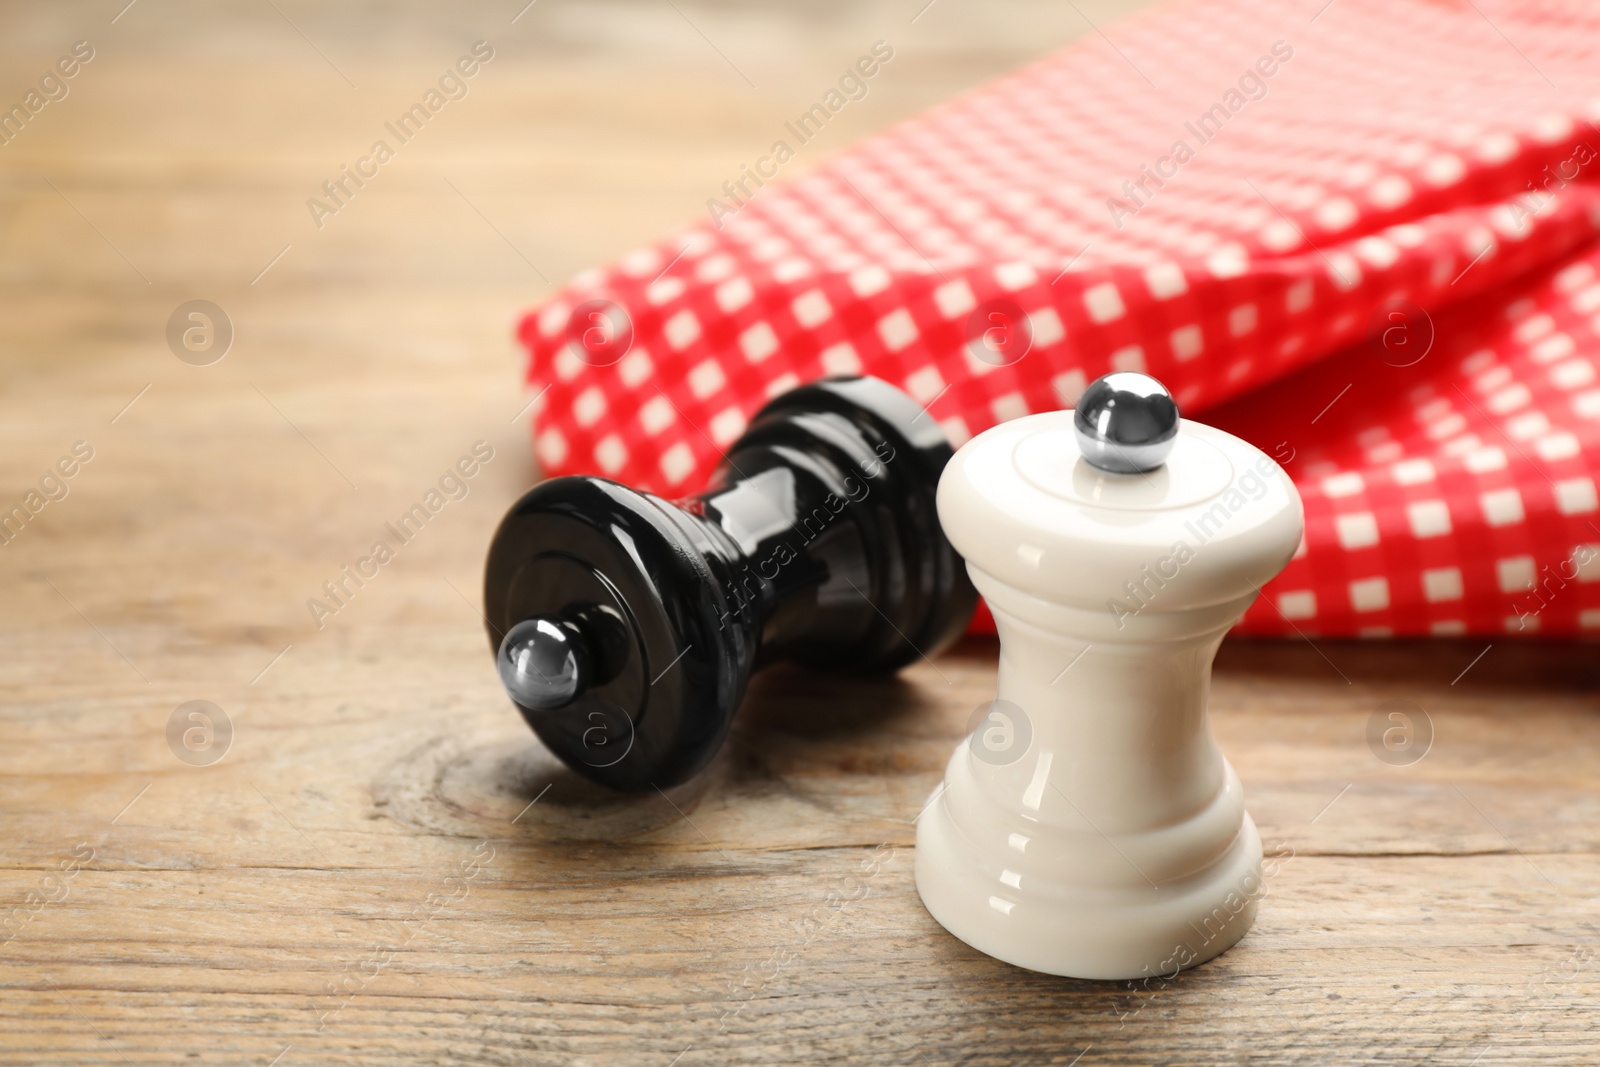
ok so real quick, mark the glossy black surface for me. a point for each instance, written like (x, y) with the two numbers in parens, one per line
(816, 541)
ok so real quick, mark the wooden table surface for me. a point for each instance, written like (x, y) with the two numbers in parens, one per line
(384, 867)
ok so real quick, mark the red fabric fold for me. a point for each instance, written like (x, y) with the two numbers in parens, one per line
(1366, 243)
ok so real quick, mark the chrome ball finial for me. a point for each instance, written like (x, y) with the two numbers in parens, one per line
(1126, 423)
(543, 663)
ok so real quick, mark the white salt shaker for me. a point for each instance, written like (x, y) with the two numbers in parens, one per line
(1091, 827)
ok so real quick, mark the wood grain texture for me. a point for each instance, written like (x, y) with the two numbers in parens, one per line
(385, 868)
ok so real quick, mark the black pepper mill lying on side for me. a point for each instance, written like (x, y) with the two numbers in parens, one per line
(626, 626)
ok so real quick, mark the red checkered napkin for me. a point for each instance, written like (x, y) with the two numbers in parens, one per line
(1361, 238)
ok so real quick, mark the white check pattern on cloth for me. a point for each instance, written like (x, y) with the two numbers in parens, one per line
(1405, 154)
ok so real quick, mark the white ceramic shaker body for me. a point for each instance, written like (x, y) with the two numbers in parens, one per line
(1114, 843)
